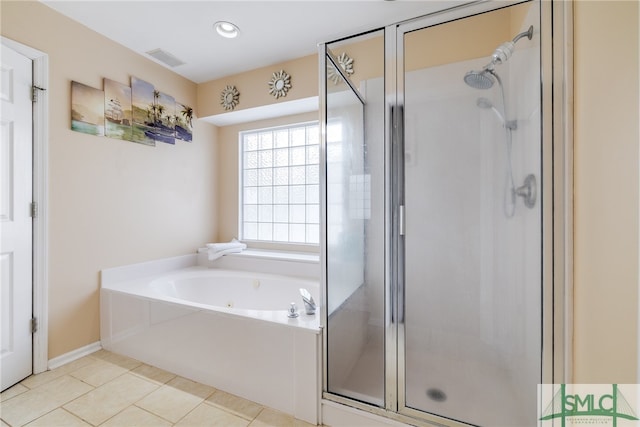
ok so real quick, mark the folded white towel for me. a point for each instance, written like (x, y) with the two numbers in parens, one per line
(212, 255)
(216, 250)
(233, 244)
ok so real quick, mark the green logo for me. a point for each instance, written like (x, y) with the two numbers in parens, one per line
(588, 401)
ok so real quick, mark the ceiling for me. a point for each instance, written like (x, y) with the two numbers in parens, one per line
(270, 31)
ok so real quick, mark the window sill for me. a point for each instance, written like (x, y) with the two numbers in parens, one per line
(305, 257)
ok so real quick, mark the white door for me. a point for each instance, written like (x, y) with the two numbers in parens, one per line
(15, 217)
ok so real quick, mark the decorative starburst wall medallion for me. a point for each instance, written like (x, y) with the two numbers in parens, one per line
(229, 98)
(280, 84)
(345, 62)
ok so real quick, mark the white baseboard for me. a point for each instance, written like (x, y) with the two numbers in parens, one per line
(63, 359)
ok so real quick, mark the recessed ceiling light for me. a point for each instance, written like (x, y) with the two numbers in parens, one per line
(226, 29)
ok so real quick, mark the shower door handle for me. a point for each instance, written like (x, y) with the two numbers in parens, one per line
(402, 224)
(398, 156)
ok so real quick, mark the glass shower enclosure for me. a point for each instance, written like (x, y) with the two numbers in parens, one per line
(432, 216)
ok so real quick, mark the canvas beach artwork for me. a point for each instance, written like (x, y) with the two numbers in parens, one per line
(184, 122)
(117, 110)
(143, 110)
(164, 118)
(87, 109)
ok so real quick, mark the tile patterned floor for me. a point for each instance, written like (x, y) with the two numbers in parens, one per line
(106, 389)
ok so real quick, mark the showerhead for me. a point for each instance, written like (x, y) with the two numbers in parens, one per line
(487, 77)
(480, 79)
(485, 103)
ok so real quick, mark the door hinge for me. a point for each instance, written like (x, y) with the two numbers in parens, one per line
(34, 209)
(34, 92)
(401, 223)
(34, 325)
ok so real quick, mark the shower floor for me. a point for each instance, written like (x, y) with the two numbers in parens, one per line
(477, 391)
(475, 387)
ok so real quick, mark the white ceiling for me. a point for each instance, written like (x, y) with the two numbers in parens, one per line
(271, 31)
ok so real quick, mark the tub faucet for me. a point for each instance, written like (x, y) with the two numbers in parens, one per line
(309, 303)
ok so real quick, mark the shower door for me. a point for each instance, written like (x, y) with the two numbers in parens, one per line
(354, 227)
(470, 242)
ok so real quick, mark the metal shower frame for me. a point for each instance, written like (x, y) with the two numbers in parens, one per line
(556, 190)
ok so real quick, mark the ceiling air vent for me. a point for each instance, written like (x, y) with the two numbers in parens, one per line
(165, 57)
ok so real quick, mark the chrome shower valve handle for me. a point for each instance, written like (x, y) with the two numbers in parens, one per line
(528, 191)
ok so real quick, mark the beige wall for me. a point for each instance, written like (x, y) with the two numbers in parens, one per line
(254, 86)
(455, 38)
(112, 202)
(606, 192)
(367, 53)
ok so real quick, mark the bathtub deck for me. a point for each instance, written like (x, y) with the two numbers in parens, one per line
(106, 389)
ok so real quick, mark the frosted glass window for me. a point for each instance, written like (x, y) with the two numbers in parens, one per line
(297, 232)
(266, 159)
(265, 213)
(265, 195)
(297, 156)
(281, 176)
(250, 195)
(313, 155)
(296, 194)
(251, 143)
(313, 216)
(251, 213)
(296, 214)
(266, 140)
(282, 138)
(280, 232)
(298, 136)
(251, 160)
(313, 233)
(281, 195)
(313, 194)
(265, 231)
(297, 175)
(251, 177)
(313, 137)
(313, 175)
(265, 177)
(282, 157)
(281, 213)
(250, 230)
(279, 190)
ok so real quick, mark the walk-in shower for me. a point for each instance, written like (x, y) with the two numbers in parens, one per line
(434, 282)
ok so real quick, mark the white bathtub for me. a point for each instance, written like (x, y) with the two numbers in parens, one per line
(228, 329)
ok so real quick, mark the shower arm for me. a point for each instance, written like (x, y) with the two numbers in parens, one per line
(505, 50)
(528, 34)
